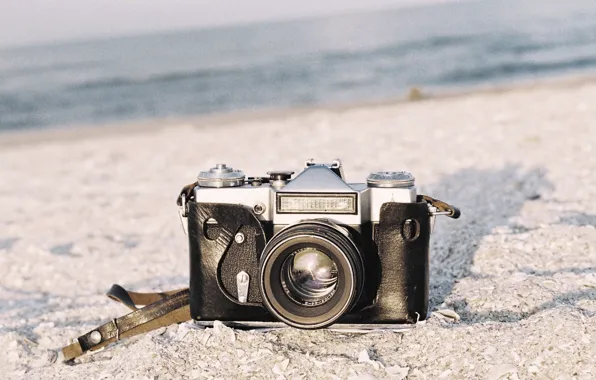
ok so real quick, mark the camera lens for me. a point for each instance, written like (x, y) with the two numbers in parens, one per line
(311, 274)
(309, 277)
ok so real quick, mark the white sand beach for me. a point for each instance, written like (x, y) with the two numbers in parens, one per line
(81, 211)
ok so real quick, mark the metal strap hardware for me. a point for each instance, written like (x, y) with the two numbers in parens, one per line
(436, 208)
(435, 213)
(185, 195)
(441, 207)
(183, 213)
(187, 192)
(117, 329)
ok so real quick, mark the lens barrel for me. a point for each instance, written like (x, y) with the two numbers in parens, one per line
(311, 274)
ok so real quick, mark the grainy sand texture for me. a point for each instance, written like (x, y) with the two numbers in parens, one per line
(519, 267)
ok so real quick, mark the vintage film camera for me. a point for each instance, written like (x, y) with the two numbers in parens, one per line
(310, 251)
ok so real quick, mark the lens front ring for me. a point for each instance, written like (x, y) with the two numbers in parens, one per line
(328, 240)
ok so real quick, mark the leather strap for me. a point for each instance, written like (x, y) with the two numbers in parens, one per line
(453, 212)
(187, 192)
(135, 301)
(163, 309)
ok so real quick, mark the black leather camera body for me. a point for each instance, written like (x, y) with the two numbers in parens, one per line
(310, 251)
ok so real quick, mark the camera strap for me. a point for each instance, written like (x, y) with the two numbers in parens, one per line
(160, 309)
(443, 208)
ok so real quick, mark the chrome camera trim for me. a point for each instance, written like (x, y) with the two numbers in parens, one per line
(321, 179)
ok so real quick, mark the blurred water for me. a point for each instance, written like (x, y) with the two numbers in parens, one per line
(362, 57)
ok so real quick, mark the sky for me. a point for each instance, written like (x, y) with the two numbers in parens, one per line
(24, 22)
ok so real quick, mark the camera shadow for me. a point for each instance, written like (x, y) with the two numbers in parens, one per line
(487, 198)
(578, 219)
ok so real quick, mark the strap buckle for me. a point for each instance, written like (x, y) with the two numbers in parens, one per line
(433, 216)
(437, 207)
(185, 194)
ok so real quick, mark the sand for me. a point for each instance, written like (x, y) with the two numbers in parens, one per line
(518, 268)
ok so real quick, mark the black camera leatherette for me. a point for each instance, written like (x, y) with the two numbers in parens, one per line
(207, 298)
(403, 291)
(243, 257)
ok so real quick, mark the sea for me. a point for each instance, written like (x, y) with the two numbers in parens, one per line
(363, 57)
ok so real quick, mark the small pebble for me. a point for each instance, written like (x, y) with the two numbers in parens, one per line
(280, 367)
(363, 356)
(499, 370)
(448, 313)
(397, 372)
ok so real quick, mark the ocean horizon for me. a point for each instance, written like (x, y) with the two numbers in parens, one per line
(361, 57)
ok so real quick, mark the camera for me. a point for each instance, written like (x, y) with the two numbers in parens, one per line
(310, 251)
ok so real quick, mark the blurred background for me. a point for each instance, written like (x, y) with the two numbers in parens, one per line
(71, 63)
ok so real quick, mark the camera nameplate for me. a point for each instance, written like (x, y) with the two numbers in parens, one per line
(317, 203)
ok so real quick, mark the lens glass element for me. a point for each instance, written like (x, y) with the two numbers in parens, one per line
(309, 277)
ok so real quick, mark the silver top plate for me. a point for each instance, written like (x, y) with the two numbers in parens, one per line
(221, 176)
(391, 179)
